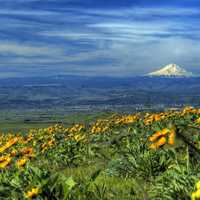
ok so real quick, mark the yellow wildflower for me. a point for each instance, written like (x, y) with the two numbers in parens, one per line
(158, 144)
(5, 161)
(198, 185)
(171, 138)
(32, 193)
(79, 137)
(195, 195)
(158, 134)
(21, 162)
(153, 146)
(155, 136)
(9, 144)
(13, 153)
(50, 130)
(165, 131)
(27, 151)
(161, 141)
(198, 120)
(157, 117)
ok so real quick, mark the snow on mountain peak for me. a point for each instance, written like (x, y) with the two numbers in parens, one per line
(171, 70)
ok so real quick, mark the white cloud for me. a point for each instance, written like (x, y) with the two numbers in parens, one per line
(26, 12)
(145, 11)
(28, 50)
(143, 58)
(128, 31)
(135, 40)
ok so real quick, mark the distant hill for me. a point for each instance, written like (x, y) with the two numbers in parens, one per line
(69, 92)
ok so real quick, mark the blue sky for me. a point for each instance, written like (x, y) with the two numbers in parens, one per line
(97, 37)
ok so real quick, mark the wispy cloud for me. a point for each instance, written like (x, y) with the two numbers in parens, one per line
(25, 50)
(71, 37)
(145, 11)
(26, 12)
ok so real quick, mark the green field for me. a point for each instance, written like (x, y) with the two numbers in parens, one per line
(18, 121)
(102, 156)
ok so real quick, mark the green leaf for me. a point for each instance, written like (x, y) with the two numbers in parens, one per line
(67, 187)
(95, 175)
(70, 183)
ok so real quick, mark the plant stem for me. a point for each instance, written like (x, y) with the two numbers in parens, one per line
(188, 158)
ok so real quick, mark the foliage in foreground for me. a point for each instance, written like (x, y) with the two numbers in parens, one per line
(139, 156)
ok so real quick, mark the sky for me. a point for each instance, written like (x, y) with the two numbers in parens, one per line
(97, 37)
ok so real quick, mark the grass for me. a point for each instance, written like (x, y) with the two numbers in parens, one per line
(23, 122)
(107, 158)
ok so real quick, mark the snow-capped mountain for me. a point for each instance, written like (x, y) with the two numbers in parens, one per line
(172, 70)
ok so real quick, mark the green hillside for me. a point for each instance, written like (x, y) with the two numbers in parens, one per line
(110, 156)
